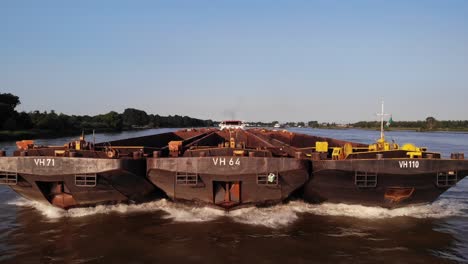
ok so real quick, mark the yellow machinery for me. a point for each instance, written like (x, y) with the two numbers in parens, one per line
(347, 149)
(338, 153)
(382, 145)
(321, 146)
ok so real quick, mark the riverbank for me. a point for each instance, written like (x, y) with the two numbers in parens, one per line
(413, 129)
(410, 129)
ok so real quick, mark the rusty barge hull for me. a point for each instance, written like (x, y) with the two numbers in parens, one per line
(373, 175)
(77, 182)
(228, 181)
(81, 174)
(385, 182)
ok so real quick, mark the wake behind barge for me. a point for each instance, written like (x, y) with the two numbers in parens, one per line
(230, 168)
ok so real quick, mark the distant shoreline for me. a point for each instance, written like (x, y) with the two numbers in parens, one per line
(410, 129)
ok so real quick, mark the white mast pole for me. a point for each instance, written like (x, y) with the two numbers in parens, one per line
(381, 122)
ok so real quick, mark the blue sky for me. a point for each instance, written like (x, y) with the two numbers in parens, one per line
(251, 60)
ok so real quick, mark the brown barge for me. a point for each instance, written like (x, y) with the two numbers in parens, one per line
(381, 174)
(83, 174)
(230, 168)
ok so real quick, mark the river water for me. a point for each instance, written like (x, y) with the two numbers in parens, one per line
(164, 232)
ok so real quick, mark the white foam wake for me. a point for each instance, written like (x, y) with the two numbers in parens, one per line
(177, 212)
(439, 209)
(285, 214)
(273, 217)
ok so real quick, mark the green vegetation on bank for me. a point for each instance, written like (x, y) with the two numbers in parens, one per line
(21, 125)
(430, 124)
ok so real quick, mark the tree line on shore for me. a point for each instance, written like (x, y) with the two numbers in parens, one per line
(430, 123)
(12, 120)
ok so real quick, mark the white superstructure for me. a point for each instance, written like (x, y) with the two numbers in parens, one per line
(232, 124)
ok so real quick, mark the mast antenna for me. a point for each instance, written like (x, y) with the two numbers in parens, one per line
(382, 114)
